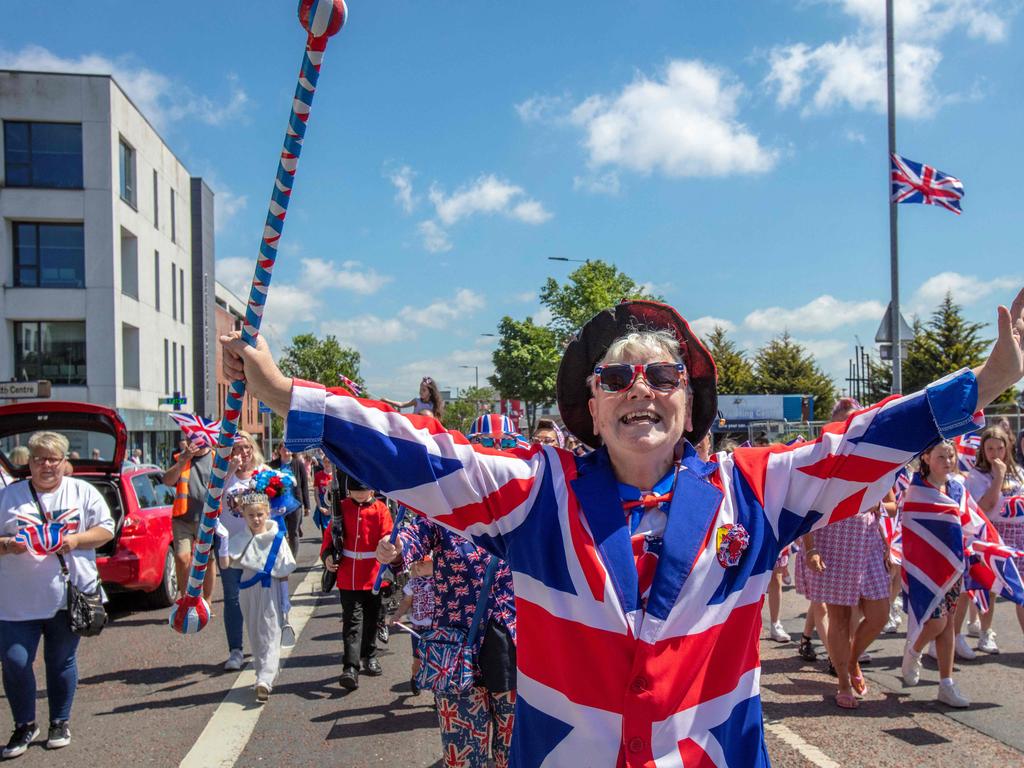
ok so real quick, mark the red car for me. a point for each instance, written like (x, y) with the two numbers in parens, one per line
(139, 557)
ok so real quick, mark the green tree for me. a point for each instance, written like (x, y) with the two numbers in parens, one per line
(594, 286)
(459, 413)
(942, 345)
(783, 367)
(320, 360)
(525, 364)
(735, 375)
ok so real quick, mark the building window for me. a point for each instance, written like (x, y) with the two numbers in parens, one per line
(130, 356)
(156, 200)
(49, 255)
(156, 280)
(53, 351)
(174, 292)
(43, 155)
(127, 173)
(173, 219)
(183, 385)
(129, 264)
(181, 294)
(167, 367)
(174, 364)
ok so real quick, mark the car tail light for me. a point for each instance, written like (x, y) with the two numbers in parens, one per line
(131, 525)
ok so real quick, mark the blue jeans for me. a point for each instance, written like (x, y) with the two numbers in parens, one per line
(19, 641)
(229, 580)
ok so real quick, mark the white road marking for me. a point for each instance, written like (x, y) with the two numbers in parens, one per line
(807, 750)
(228, 731)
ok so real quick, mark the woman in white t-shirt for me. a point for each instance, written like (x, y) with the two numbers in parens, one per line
(46, 515)
(997, 485)
(246, 460)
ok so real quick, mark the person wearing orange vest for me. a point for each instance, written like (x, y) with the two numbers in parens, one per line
(189, 476)
(364, 520)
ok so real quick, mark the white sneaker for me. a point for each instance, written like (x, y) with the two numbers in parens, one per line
(262, 692)
(778, 634)
(930, 651)
(235, 660)
(951, 696)
(287, 636)
(963, 650)
(974, 628)
(911, 668)
(987, 643)
(890, 626)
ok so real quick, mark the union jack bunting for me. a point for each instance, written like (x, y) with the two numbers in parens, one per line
(918, 183)
(197, 428)
(350, 385)
(605, 679)
(933, 547)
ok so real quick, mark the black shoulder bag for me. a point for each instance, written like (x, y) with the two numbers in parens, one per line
(86, 614)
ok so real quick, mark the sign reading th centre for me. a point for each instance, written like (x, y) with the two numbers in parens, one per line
(24, 389)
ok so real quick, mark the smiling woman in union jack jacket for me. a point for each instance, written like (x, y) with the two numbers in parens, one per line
(638, 568)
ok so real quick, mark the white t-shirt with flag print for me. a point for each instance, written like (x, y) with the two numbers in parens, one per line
(32, 585)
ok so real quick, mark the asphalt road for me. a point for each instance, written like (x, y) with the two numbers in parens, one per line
(146, 694)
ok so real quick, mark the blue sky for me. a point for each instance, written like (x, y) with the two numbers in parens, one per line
(731, 154)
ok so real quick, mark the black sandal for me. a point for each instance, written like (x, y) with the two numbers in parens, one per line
(806, 650)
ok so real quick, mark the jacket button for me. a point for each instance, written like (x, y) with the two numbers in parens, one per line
(639, 684)
(636, 744)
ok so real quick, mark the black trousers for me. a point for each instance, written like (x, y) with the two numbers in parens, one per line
(359, 612)
(291, 523)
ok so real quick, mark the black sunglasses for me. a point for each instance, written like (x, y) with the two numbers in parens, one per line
(618, 377)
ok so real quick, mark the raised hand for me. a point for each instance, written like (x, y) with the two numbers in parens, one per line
(1005, 365)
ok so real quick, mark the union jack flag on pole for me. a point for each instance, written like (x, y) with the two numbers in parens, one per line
(197, 428)
(350, 385)
(919, 183)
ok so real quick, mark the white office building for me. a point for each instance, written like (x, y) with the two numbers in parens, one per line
(106, 255)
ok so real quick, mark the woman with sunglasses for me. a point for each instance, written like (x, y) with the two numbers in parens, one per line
(428, 403)
(638, 569)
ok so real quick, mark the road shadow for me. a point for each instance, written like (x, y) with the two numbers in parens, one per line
(156, 675)
(384, 719)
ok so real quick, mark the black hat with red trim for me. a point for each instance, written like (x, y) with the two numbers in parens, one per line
(591, 342)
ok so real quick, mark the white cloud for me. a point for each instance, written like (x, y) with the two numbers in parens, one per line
(355, 331)
(825, 313)
(401, 178)
(526, 296)
(487, 195)
(851, 71)
(703, 326)
(855, 137)
(684, 124)
(287, 305)
(440, 313)
(161, 99)
(445, 369)
(966, 290)
(319, 274)
(542, 108)
(542, 316)
(598, 184)
(235, 273)
(435, 239)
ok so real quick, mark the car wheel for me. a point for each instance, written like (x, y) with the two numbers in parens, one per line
(165, 595)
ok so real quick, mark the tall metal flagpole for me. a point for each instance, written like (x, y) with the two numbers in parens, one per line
(894, 251)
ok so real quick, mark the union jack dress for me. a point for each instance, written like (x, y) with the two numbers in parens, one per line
(604, 679)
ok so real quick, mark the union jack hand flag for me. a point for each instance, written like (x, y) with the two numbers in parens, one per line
(918, 183)
(197, 428)
(350, 385)
(993, 567)
(967, 450)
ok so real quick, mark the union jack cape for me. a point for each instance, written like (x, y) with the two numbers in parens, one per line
(601, 681)
(198, 428)
(933, 547)
(919, 183)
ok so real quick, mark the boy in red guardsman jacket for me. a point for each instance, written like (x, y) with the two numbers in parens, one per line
(364, 520)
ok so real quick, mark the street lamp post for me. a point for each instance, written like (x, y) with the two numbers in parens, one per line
(563, 258)
(476, 370)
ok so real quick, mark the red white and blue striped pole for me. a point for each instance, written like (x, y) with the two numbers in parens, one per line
(321, 19)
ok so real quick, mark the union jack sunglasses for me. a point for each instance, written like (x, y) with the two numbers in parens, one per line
(619, 377)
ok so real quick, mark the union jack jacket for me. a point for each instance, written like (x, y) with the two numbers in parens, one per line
(601, 680)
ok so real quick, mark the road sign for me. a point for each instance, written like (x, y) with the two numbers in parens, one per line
(175, 400)
(14, 390)
(884, 333)
(264, 408)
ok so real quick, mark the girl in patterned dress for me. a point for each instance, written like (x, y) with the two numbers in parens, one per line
(997, 485)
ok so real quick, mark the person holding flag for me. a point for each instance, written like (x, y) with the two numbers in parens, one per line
(614, 668)
(189, 476)
(44, 519)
